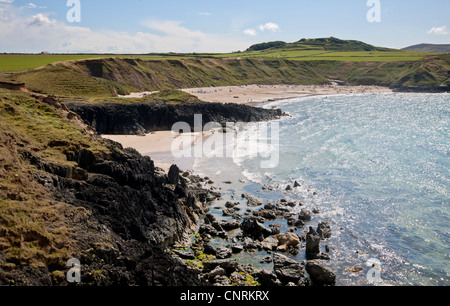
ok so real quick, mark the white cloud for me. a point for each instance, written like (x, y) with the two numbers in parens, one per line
(41, 20)
(205, 14)
(270, 26)
(438, 31)
(250, 32)
(42, 32)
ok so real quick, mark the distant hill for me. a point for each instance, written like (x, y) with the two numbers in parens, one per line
(429, 48)
(325, 44)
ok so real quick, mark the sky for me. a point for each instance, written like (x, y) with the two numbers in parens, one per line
(139, 26)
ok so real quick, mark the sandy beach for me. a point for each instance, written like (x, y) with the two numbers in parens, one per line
(257, 94)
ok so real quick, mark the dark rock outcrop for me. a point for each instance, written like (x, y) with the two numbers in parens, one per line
(312, 243)
(132, 212)
(115, 118)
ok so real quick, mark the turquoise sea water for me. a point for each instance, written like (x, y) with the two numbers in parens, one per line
(377, 166)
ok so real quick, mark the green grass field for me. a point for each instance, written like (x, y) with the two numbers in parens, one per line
(15, 62)
(18, 62)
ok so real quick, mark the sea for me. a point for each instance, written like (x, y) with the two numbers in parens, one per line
(375, 166)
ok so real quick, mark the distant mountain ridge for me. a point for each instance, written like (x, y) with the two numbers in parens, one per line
(429, 48)
(326, 44)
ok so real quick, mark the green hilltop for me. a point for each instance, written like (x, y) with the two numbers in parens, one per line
(322, 44)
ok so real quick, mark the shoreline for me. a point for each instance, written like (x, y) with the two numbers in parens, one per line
(255, 95)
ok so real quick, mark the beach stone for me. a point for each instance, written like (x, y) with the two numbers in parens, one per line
(319, 274)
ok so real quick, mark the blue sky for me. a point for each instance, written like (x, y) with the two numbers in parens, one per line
(138, 26)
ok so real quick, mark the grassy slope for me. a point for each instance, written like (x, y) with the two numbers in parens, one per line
(112, 76)
(309, 61)
(34, 229)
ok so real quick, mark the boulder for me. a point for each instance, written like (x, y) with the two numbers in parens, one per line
(305, 215)
(268, 279)
(227, 264)
(312, 243)
(223, 253)
(286, 269)
(269, 244)
(324, 230)
(287, 240)
(251, 227)
(319, 274)
(174, 175)
(252, 202)
(230, 225)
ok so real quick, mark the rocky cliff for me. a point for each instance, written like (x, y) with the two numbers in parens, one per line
(67, 193)
(114, 118)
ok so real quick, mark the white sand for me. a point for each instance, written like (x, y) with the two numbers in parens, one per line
(256, 94)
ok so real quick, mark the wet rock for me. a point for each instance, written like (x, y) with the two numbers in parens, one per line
(296, 184)
(268, 279)
(237, 248)
(312, 243)
(324, 230)
(188, 255)
(209, 250)
(269, 244)
(222, 281)
(252, 202)
(218, 271)
(223, 253)
(319, 274)
(268, 214)
(229, 265)
(250, 244)
(305, 215)
(286, 269)
(251, 227)
(207, 229)
(230, 225)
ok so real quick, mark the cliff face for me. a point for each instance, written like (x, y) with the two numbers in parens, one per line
(66, 193)
(113, 118)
